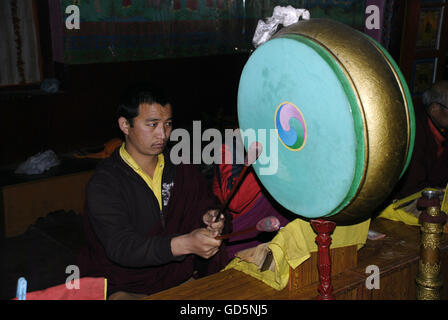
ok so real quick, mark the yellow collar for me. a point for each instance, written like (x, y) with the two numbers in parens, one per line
(154, 183)
(134, 165)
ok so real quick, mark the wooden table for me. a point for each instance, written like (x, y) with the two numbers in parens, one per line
(396, 256)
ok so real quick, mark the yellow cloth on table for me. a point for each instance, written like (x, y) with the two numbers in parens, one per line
(293, 245)
(402, 214)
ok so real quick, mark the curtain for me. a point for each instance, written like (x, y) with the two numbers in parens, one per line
(19, 47)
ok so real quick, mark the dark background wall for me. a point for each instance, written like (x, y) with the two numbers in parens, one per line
(82, 114)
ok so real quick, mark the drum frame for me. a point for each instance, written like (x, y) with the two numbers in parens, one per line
(385, 107)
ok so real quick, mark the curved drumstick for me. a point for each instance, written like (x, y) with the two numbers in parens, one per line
(268, 224)
(253, 153)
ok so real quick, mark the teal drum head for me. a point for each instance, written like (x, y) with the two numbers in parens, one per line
(296, 100)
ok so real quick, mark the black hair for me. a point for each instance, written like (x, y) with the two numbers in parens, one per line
(135, 96)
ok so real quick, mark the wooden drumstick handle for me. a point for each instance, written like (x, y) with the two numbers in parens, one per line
(238, 233)
(268, 224)
(252, 155)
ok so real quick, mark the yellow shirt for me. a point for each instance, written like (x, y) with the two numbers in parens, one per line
(155, 184)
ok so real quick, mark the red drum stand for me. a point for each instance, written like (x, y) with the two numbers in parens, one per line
(324, 229)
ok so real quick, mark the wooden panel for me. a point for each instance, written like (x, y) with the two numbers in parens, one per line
(24, 203)
(346, 285)
(397, 257)
(398, 285)
(226, 285)
(409, 38)
(306, 273)
(409, 51)
(348, 295)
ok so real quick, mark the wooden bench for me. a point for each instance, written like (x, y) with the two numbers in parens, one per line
(23, 200)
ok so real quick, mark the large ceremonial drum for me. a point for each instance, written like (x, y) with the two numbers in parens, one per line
(335, 118)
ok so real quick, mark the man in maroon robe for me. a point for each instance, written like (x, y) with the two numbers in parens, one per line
(429, 164)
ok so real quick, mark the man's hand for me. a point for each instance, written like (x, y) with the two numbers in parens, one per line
(201, 242)
(209, 220)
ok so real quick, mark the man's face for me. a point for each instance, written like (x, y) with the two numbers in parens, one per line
(439, 114)
(151, 129)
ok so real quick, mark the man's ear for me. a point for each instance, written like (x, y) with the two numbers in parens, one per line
(124, 125)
